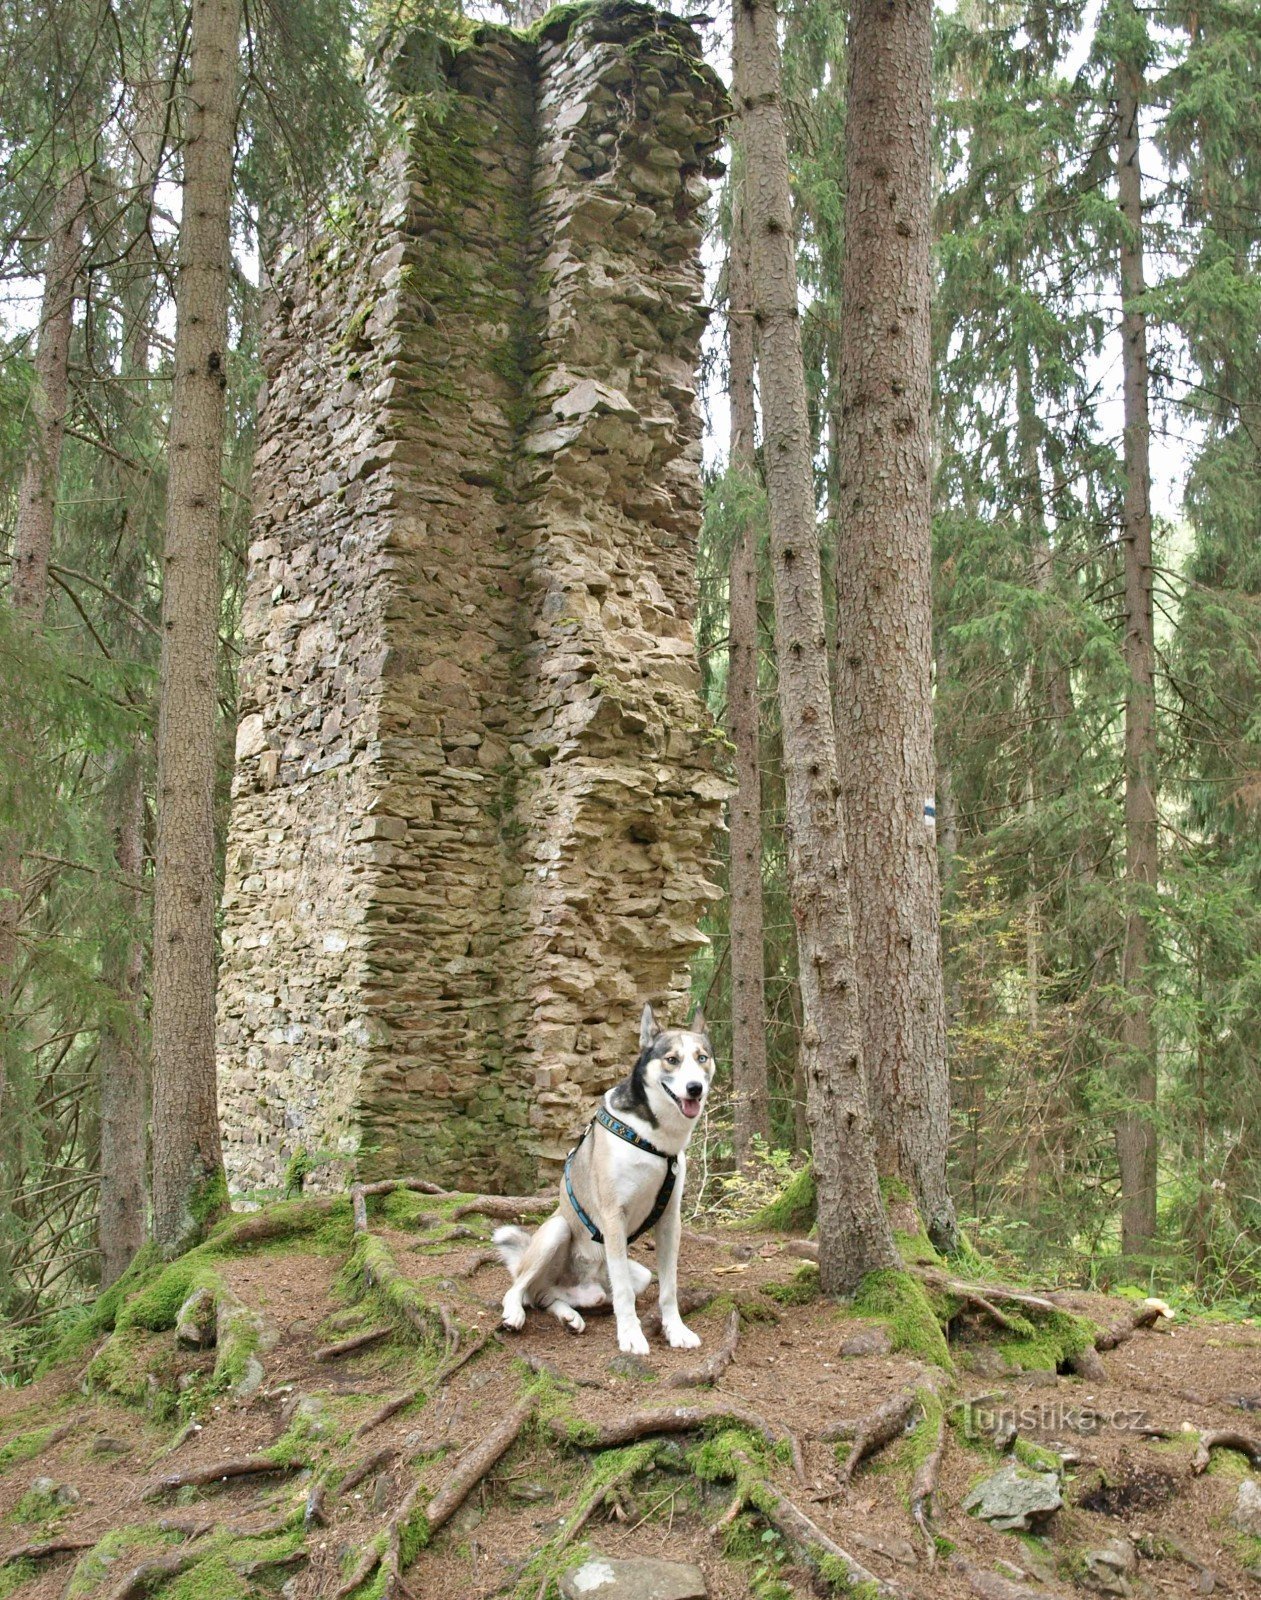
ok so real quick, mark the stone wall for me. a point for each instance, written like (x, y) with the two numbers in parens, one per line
(474, 804)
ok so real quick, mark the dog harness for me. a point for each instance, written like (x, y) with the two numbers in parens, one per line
(606, 1119)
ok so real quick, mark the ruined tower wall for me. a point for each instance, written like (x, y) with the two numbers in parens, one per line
(474, 807)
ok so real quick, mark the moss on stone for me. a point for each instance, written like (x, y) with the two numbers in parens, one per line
(899, 1301)
(134, 1369)
(795, 1207)
(1054, 1338)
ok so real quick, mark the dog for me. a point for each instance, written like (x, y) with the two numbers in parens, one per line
(625, 1175)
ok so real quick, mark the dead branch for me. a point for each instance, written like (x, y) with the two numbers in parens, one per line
(799, 1529)
(978, 1302)
(713, 1367)
(46, 1550)
(367, 1468)
(872, 1432)
(990, 1586)
(678, 1419)
(1141, 1317)
(505, 1207)
(991, 1295)
(1224, 1439)
(344, 1347)
(476, 1462)
(203, 1477)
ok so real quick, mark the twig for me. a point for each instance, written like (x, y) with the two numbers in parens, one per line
(475, 1463)
(713, 1367)
(361, 1341)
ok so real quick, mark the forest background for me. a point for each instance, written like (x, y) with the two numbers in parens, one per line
(1035, 305)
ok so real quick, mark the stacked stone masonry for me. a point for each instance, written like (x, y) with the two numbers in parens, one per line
(474, 804)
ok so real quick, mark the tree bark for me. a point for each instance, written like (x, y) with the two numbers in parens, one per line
(1135, 1133)
(748, 986)
(884, 596)
(187, 1156)
(854, 1233)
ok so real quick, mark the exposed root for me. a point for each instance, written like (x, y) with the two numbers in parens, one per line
(986, 1296)
(1144, 1316)
(46, 1550)
(872, 1432)
(1086, 1364)
(713, 1367)
(545, 1369)
(475, 1263)
(990, 1586)
(924, 1488)
(431, 1321)
(251, 1569)
(368, 1468)
(978, 1302)
(803, 1249)
(691, 1298)
(802, 1531)
(465, 1356)
(202, 1477)
(673, 1419)
(476, 1462)
(314, 1512)
(391, 1408)
(149, 1574)
(584, 1511)
(360, 1341)
(1188, 1557)
(1224, 1439)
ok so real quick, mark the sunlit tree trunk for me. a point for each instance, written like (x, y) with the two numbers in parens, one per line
(884, 596)
(854, 1233)
(187, 1155)
(748, 991)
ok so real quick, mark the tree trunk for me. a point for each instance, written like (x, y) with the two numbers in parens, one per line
(187, 1157)
(1135, 1133)
(121, 1065)
(748, 992)
(37, 499)
(884, 597)
(854, 1234)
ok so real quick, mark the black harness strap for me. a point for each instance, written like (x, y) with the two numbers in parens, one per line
(623, 1130)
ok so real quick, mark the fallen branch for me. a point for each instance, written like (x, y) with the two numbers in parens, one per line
(471, 1467)
(713, 1367)
(368, 1467)
(203, 1477)
(344, 1347)
(674, 1419)
(1224, 1439)
(801, 1530)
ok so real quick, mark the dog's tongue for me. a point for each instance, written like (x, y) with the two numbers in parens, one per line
(690, 1108)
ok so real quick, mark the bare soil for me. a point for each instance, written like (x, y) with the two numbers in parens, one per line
(1186, 1377)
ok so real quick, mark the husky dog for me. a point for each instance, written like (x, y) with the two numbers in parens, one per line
(625, 1175)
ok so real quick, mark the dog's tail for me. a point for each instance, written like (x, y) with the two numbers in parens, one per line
(511, 1244)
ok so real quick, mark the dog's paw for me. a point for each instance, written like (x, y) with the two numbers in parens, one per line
(632, 1341)
(573, 1322)
(514, 1318)
(682, 1337)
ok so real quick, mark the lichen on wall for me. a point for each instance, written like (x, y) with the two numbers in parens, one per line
(474, 804)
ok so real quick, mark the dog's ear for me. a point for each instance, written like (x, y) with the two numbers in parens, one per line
(698, 1023)
(648, 1029)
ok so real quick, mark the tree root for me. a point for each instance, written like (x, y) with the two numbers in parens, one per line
(367, 1468)
(671, 1419)
(475, 1263)
(1224, 1439)
(545, 1369)
(872, 1432)
(713, 1367)
(691, 1298)
(585, 1510)
(391, 1408)
(1145, 1316)
(46, 1550)
(429, 1320)
(991, 1586)
(924, 1489)
(505, 1207)
(476, 1462)
(388, 1557)
(799, 1529)
(203, 1477)
(146, 1577)
(344, 1347)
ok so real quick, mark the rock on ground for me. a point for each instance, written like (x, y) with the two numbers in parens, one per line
(639, 1579)
(1015, 1499)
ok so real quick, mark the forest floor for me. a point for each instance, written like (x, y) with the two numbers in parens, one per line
(513, 1457)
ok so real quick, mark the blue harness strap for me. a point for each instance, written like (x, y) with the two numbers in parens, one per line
(623, 1130)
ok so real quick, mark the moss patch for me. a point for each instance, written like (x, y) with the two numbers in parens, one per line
(24, 1447)
(898, 1300)
(794, 1209)
(1051, 1342)
(800, 1290)
(117, 1550)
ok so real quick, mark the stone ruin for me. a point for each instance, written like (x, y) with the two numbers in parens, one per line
(474, 804)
